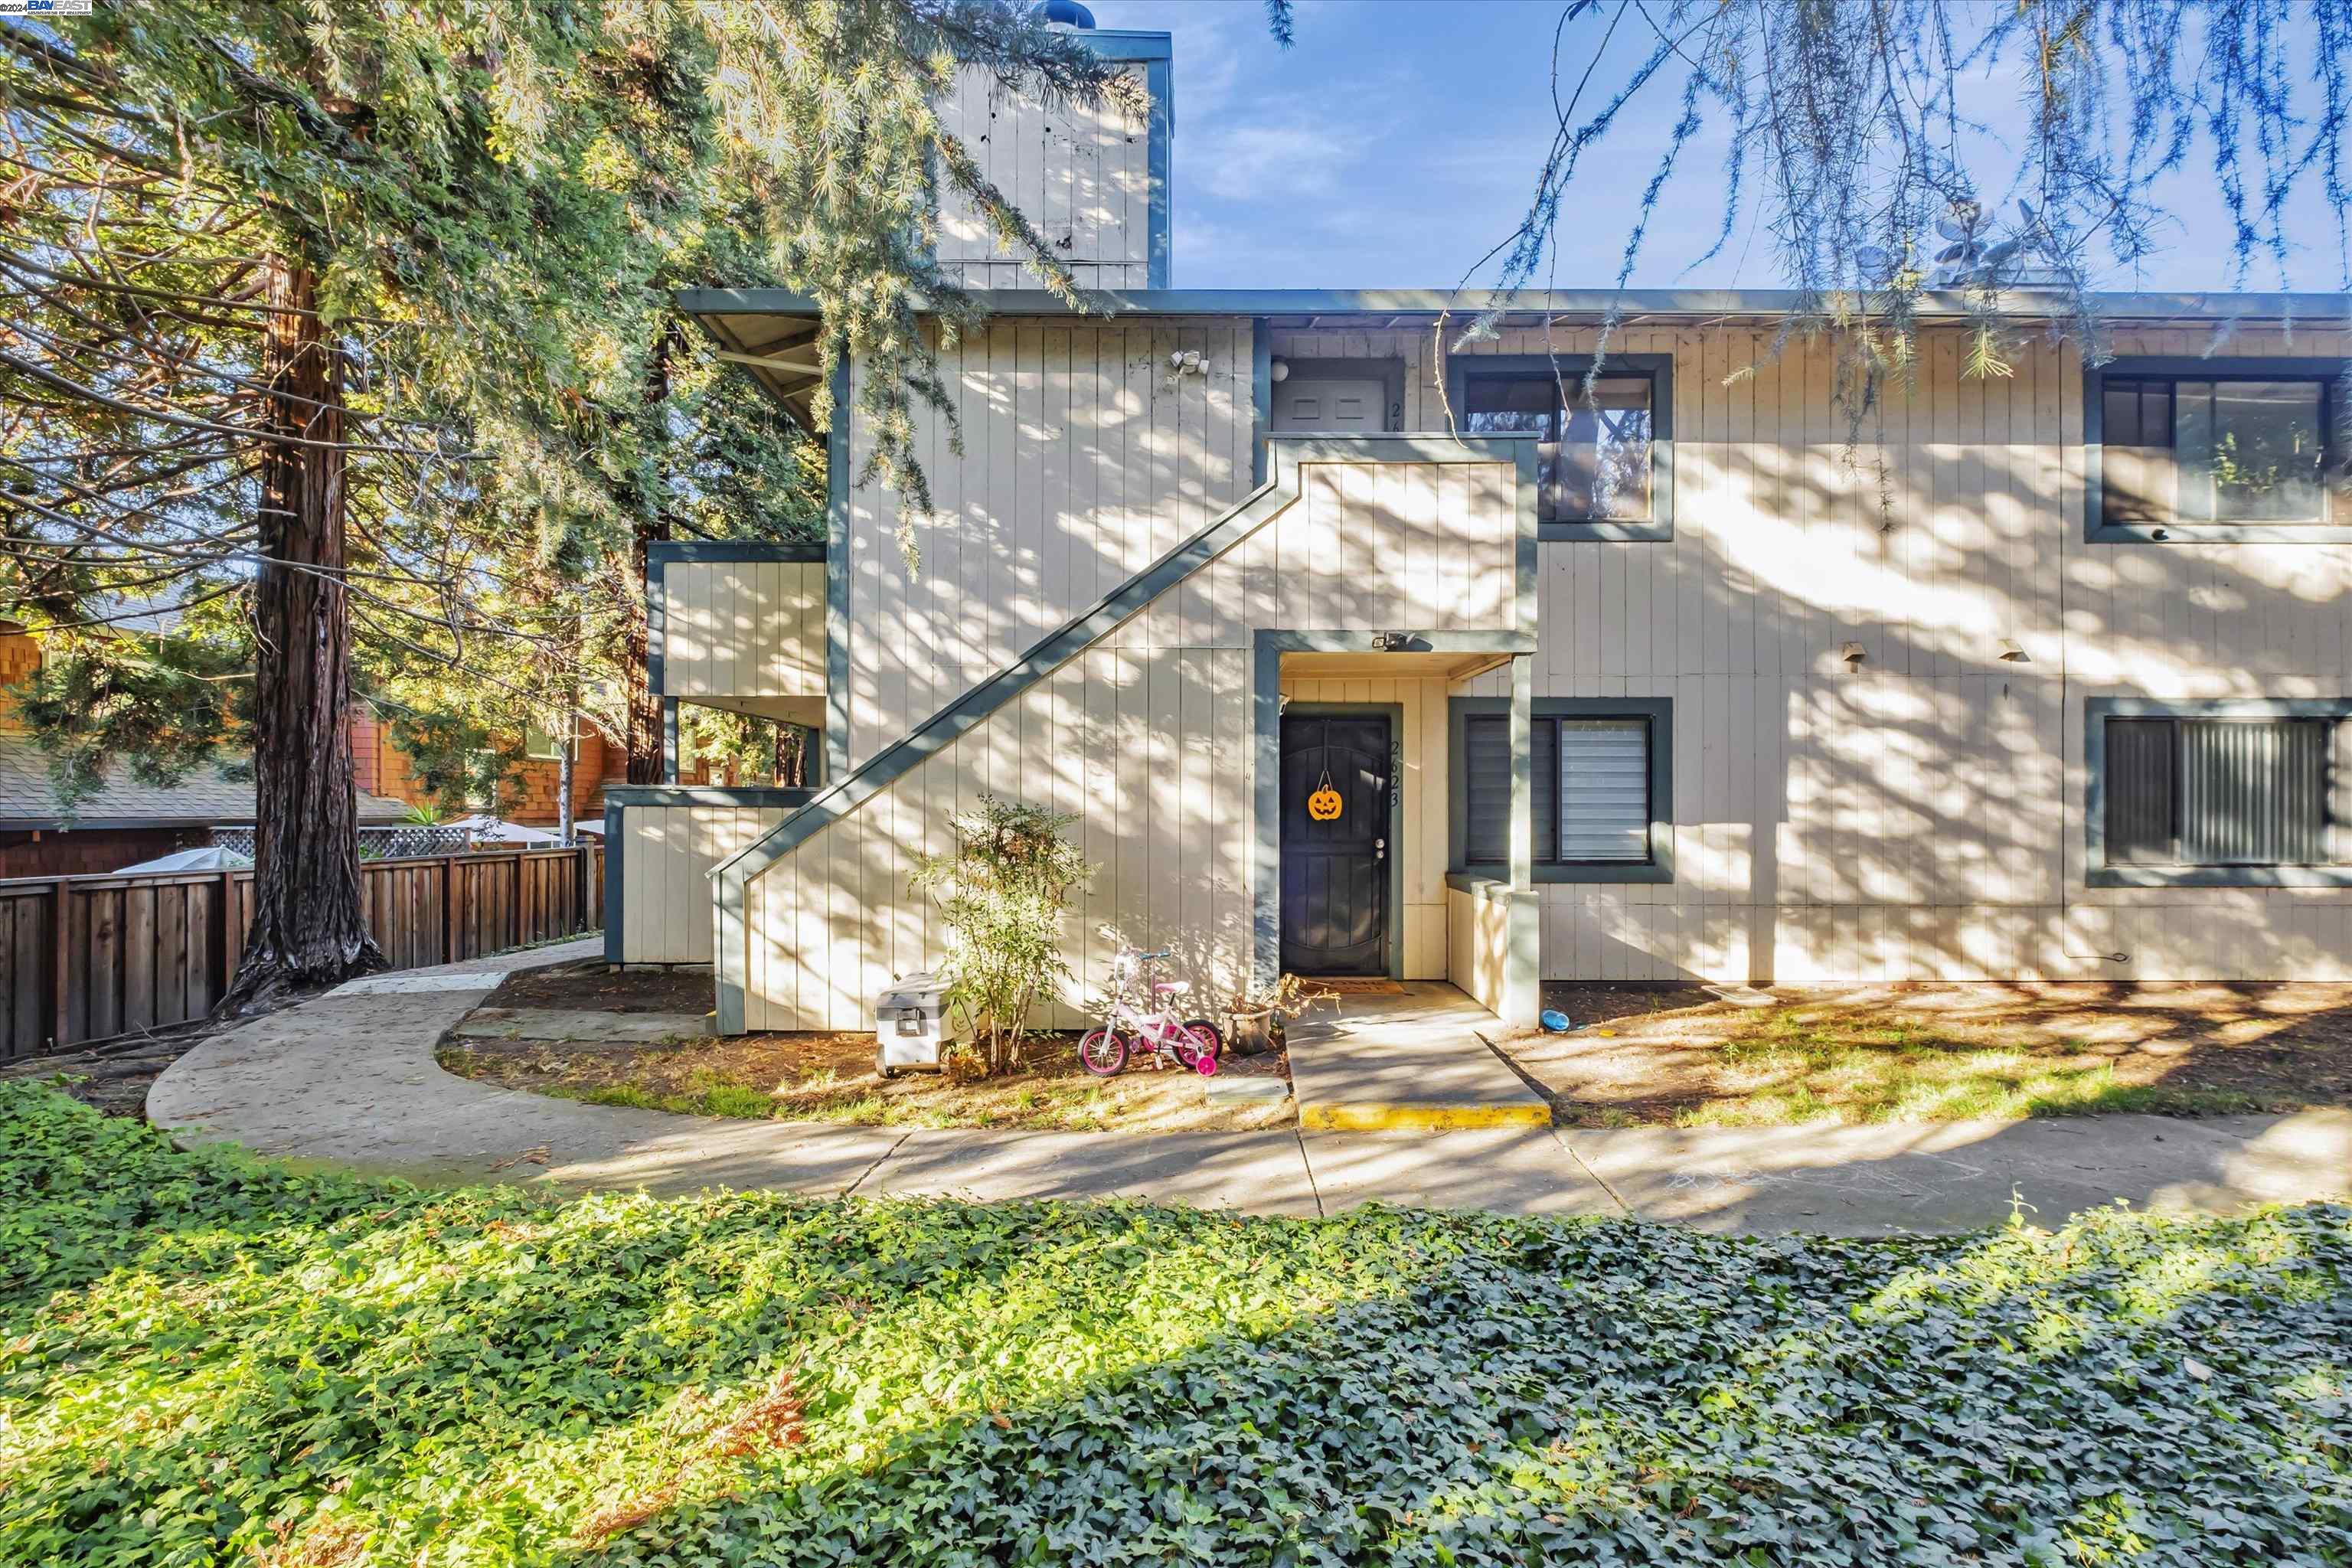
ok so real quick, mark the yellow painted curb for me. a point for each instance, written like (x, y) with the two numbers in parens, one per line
(1419, 1118)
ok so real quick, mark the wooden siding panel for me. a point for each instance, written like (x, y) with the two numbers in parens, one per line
(748, 628)
(1081, 175)
(1142, 739)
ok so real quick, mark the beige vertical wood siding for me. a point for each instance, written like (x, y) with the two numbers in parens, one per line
(1146, 739)
(743, 629)
(1481, 941)
(1080, 175)
(1083, 461)
(2202, 620)
(667, 853)
(1918, 816)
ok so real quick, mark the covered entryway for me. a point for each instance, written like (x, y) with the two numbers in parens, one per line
(1338, 799)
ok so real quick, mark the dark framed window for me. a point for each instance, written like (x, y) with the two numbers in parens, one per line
(1602, 775)
(2219, 793)
(1603, 450)
(2205, 449)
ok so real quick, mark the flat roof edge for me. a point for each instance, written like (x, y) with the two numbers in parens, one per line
(1129, 44)
(2031, 304)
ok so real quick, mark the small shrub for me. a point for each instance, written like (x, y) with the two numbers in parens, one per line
(1003, 893)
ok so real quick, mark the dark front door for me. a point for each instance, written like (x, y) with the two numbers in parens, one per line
(1335, 870)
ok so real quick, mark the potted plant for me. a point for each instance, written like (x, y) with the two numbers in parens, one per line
(1255, 1016)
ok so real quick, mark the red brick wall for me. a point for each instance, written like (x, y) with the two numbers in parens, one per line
(19, 657)
(380, 767)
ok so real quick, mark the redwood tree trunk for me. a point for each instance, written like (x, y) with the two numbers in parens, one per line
(308, 930)
(644, 707)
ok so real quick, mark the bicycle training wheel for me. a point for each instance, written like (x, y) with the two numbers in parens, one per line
(1203, 1030)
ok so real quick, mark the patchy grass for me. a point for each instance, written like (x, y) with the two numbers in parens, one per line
(1942, 1053)
(208, 1360)
(829, 1076)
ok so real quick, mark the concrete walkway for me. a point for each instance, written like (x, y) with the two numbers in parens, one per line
(1410, 1061)
(350, 1079)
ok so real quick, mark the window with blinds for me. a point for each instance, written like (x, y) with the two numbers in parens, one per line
(2220, 792)
(1591, 778)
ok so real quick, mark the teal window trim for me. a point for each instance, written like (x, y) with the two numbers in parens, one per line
(2096, 530)
(1660, 713)
(1660, 369)
(2098, 873)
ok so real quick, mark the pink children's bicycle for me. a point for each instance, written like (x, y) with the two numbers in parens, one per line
(1128, 1028)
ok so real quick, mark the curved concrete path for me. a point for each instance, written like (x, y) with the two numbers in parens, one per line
(349, 1078)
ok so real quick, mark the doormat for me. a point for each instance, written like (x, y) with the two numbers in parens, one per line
(1358, 985)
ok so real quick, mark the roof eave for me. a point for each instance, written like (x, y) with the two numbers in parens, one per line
(711, 307)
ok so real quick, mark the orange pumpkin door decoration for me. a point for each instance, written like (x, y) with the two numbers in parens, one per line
(1323, 805)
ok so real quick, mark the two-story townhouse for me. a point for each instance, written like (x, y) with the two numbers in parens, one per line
(2042, 675)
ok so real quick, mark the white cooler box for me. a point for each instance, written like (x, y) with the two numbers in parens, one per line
(909, 1026)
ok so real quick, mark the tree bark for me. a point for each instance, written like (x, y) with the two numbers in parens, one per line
(564, 765)
(308, 929)
(645, 706)
(792, 756)
(645, 709)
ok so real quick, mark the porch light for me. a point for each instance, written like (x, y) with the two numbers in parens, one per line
(1278, 371)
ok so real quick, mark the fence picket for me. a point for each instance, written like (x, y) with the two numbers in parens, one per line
(86, 958)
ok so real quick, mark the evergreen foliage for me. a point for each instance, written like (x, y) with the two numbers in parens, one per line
(358, 317)
(1003, 894)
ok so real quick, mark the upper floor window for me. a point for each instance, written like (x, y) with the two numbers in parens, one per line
(2216, 449)
(1602, 451)
(2217, 794)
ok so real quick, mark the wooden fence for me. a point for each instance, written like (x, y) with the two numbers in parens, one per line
(84, 959)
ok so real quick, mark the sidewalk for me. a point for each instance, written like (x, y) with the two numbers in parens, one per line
(350, 1079)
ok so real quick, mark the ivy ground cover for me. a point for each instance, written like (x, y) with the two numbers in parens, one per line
(205, 1359)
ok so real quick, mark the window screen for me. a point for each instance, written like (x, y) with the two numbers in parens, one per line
(2218, 792)
(1592, 460)
(1592, 779)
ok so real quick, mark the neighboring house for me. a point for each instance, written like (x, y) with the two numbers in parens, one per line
(379, 765)
(125, 822)
(2043, 675)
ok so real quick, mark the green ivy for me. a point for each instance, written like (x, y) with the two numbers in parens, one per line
(206, 1358)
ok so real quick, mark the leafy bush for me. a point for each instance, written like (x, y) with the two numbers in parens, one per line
(204, 1359)
(1003, 894)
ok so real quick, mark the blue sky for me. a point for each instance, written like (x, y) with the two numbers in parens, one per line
(1399, 140)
